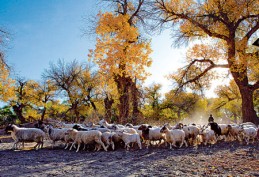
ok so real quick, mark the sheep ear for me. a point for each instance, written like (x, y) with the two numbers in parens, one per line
(149, 126)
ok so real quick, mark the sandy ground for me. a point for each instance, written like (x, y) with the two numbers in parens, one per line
(221, 159)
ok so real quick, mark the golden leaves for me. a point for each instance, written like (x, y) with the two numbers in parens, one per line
(119, 51)
(6, 83)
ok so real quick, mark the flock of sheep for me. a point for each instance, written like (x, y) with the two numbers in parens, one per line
(107, 135)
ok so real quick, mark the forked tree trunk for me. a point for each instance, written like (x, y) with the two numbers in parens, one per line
(248, 112)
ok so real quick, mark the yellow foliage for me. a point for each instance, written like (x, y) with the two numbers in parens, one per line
(6, 83)
(119, 51)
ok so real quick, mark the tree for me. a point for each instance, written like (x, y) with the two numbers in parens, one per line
(23, 101)
(44, 93)
(231, 25)
(77, 82)
(121, 53)
(6, 83)
(182, 103)
(64, 76)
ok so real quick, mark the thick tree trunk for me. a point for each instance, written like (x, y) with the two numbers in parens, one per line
(248, 112)
(124, 106)
(135, 103)
(123, 86)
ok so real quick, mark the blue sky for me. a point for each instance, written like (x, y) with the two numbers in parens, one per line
(44, 31)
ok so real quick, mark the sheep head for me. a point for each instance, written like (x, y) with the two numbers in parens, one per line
(164, 129)
(9, 128)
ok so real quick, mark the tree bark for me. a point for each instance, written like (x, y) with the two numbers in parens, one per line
(248, 112)
(136, 113)
(123, 86)
(108, 107)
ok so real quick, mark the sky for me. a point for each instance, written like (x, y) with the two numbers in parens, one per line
(44, 31)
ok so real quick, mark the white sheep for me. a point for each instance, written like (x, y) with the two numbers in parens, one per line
(208, 136)
(150, 133)
(107, 140)
(129, 138)
(249, 133)
(56, 134)
(234, 132)
(104, 123)
(191, 132)
(86, 137)
(125, 129)
(173, 136)
(26, 135)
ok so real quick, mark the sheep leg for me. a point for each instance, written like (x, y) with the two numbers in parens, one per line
(79, 144)
(127, 146)
(186, 145)
(101, 143)
(13, 146)
(53, 143)
(148, 143)
(113, 146)
(72, 146)
(67, 144)
(139, 144)
(174, 144)
(181, 144)
(35, 147)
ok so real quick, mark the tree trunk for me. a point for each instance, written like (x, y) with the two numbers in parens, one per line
(108, 107)
(135, 103)
(18, 112)
(43, 114)
(123, 85)
(248, 112)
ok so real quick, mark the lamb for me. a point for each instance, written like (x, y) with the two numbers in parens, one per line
(150, 134)
(173, 136)
(129, 138)
(86, 137)
(56, 134)
(26, 135)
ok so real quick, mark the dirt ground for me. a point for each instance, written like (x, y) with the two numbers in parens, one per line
(221, 159)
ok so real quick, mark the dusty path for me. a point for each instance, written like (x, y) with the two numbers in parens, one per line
(222, 159)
